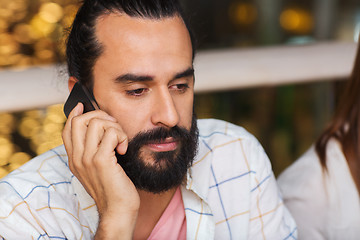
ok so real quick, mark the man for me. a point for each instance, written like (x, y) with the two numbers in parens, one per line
(138, 168)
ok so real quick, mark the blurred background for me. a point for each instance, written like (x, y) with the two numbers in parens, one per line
(285, 117)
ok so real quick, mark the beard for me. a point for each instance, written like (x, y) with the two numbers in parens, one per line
(165, 170)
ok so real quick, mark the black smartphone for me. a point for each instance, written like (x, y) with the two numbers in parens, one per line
(80, 93)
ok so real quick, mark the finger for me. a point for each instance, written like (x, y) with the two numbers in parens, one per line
(121, 148)
(97, 114)
(66, 134)
(95, 133)
(79, 126)
(111, 139)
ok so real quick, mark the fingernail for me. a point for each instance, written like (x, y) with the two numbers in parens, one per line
(121, 149)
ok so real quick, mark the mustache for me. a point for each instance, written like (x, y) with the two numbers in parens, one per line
(159, 134)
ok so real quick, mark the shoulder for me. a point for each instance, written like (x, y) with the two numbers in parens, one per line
(216, 129)
(302, 173)
(43, 172)
(240, 181)
(315, 197)
(335, 157)
(304, 191)
(306, 173)
(221, 133)
(225, 143)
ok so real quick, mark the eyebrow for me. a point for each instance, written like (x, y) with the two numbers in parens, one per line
(187, 73)
(133, 78)
(129, 77)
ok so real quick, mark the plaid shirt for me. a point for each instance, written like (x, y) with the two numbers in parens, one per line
(230, 193)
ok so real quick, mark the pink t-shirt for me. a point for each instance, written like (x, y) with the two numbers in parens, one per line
(172, 223)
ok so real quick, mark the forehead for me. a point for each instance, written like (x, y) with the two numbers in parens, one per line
(117, 22)
(123, 37)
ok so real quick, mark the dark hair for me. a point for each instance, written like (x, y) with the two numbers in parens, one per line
(82, 47)
(345, 125)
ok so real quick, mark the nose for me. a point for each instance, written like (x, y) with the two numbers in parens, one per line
(164, 110)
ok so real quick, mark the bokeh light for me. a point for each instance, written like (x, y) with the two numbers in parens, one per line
(23, 33)
(41, 26)
(243, 13)
(19, 158)
(6, 150)
(7, 123)
(28, 127)
(51, 12)
(31, 31)
(7, 44)
(296, 20)
(39, 129)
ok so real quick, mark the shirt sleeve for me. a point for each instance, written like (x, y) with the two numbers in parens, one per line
(38, 214)
(269, 218)
(18, 220)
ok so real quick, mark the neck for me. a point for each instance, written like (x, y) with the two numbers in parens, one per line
(155, 200)
(152, 206)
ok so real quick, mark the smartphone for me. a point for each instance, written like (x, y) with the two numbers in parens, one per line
(80, 93)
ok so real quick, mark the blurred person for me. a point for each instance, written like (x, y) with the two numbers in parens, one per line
(321, 189)
(142, 167)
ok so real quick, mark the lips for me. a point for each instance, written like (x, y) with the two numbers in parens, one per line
(167, 145)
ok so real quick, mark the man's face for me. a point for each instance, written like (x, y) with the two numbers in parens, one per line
(144, 78)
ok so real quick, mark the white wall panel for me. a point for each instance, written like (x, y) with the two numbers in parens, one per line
(216, 70)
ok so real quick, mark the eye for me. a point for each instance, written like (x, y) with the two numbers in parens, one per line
(137, 92)
(180, 87)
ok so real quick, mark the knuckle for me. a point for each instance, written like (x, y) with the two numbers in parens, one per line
(86, 161)
(87, 164)
(76, 164)
(112, 132)
(95, 123)
(76, 121)
(98, 161)
(99, 112)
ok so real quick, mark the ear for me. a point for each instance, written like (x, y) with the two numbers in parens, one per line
(71, 82)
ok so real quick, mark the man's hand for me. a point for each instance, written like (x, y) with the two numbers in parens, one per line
(91, 140)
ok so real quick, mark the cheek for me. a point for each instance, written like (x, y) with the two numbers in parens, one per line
(130, 114)
(131, 119)
(185, 110)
